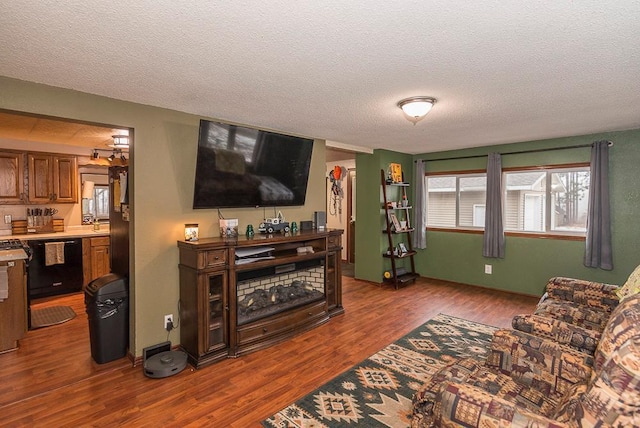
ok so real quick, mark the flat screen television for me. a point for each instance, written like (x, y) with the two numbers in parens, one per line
(246, 167)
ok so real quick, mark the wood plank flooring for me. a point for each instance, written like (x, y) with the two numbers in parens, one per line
(52, 380)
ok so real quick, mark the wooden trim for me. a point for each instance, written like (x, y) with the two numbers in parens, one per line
(464, 172)
(451, 229)
(545, 236)
(546, 167)
(483, 287)
(511, 169)
(514, 234)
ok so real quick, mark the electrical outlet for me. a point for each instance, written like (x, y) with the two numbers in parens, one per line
(488, 269)
(7, 219)
(168, 319)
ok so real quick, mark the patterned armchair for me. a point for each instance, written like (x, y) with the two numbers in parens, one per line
(574, 312)
(531, 381)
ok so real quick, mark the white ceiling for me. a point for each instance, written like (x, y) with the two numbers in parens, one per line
(502, 71)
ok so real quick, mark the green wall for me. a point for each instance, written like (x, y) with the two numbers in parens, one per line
(528, 262)
(370, 241)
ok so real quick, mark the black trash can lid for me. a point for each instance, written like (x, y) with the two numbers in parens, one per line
(110, 283)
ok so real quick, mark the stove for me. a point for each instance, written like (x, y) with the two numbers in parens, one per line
(12, 249)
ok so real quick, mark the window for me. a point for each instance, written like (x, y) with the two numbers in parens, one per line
(456, 200)
(551, 200)
(96, 206)
(547, 201)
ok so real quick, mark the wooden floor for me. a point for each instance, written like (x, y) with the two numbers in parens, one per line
(52, 381)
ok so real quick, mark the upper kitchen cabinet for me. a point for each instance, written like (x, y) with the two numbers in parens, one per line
(52, 178)
(11, 178)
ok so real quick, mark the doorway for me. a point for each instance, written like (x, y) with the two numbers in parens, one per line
(89, 144)
(341, 202)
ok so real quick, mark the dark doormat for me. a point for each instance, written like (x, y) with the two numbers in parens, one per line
(53, 315)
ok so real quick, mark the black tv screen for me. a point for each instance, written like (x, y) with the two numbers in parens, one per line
(246, 167)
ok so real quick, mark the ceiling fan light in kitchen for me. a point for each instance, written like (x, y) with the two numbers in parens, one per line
(120, 141)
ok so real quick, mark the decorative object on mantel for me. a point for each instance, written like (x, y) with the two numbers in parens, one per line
(229, 227)
(275, 224)
(191, 232)
(416, 108)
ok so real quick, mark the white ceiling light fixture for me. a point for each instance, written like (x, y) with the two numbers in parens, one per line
(416, 108)
(120, 142)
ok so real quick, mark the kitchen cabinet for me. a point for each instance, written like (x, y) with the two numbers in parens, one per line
(95, 258)
(52, 178)
(13, 309)
(11, 178)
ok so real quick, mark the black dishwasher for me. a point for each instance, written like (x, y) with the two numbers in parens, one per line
(55, 267)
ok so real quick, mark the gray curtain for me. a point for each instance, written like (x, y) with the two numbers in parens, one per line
(419, 208)
(598, 251)
(493, 243)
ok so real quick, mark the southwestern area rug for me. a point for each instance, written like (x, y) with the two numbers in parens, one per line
(377, 392)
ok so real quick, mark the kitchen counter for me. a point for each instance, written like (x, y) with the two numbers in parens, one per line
(69, 233)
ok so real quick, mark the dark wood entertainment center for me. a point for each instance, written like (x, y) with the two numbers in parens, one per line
(215, 289)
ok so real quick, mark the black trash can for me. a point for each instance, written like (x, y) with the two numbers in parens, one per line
(107, 302)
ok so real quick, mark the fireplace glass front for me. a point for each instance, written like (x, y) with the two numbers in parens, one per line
(265, 292)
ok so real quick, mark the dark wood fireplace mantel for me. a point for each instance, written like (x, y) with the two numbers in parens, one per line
(209, 328)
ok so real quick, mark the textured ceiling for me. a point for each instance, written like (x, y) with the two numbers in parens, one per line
(502, 71)
(48, 130)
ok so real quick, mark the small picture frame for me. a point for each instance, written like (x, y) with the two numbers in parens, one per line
(403, 248)
(395, 222)
(396, 172)
(229, 228)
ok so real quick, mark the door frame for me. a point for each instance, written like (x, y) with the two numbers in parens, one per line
(351, 247)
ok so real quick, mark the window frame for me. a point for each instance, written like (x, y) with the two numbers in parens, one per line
(458, 175)
(88, 209)
(562, 235)
(547, 233)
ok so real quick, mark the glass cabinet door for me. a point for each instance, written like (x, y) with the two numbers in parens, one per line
(216, 312)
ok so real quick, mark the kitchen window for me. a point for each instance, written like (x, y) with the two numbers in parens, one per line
(96, 204)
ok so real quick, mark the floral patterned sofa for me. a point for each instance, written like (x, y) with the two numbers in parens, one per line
(532, 380)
